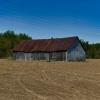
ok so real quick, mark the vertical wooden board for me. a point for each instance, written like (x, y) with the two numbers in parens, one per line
(76, 54)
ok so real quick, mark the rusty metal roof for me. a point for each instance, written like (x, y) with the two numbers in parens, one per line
(45, 45)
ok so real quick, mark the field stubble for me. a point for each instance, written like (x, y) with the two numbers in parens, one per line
(39, 80)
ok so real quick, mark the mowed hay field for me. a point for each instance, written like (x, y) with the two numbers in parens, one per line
(39, 80)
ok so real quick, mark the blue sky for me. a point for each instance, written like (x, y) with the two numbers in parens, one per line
(52, 18)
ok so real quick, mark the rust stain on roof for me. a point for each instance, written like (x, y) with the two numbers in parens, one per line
(45, 45)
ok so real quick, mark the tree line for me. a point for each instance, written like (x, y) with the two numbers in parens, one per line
(9, 39)
(92, 50)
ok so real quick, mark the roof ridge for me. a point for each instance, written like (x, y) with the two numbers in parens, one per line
(57, 38)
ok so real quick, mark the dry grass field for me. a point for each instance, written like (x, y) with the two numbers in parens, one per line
(20, 80)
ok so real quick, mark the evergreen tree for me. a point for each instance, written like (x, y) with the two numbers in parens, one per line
(8, 41)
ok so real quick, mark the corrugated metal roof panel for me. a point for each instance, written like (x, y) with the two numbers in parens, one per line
(45, 45)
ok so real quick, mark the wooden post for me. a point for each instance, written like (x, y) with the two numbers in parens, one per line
(25, 56)
(49, 57)
(66, 56)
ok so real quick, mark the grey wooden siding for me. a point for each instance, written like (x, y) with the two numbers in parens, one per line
(18, 55)
(40, 56)
(58, 56)
(76, 53)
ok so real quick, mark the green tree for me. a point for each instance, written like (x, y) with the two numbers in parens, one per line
(8, 41)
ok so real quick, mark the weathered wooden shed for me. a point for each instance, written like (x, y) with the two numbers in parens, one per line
(62, 49)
